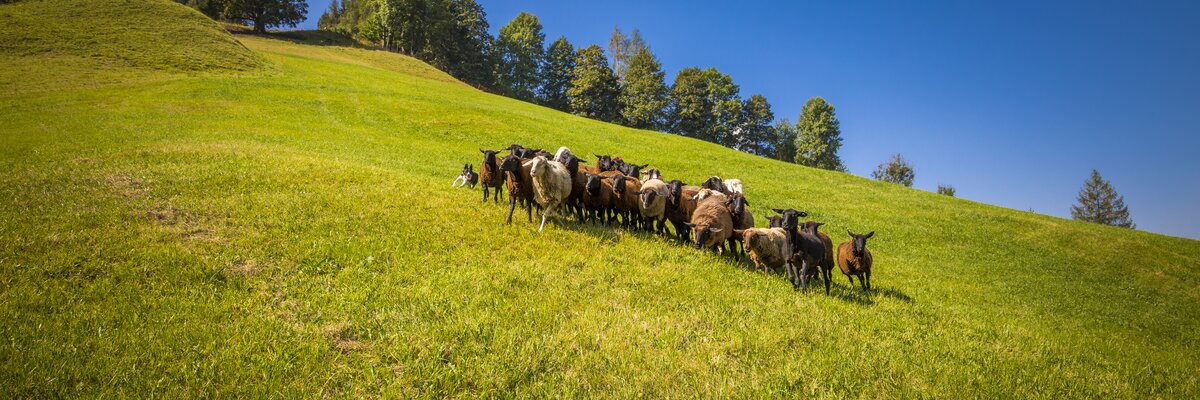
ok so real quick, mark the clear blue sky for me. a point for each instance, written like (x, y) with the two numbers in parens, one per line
(1011, 103)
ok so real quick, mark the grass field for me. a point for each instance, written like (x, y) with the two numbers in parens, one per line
(266, 218)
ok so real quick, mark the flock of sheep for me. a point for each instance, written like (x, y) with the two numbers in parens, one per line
(710, 216)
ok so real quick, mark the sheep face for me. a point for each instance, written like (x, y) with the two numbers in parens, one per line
(603, 162)
(775, 221)
(489, 157)
(632, 170)
(860, 242)
(592, 184)
(714, 183)
(791, 218)
(510, 163)
(653, 173)
(703, 234)
(648, 197)
(810, 227)
(737, 205)
(674, 192)
(619, 186)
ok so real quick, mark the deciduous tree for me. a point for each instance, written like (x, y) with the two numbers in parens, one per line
(819, 136)
(263, 14)
(895, 170)
(521, 51)
(644, 92)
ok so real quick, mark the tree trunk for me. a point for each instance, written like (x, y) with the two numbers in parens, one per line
(259, 27)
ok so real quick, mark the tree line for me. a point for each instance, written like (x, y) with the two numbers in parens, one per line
(623, 84)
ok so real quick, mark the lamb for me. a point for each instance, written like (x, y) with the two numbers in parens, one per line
(712, 224)
(468, 177)
(597, 197)
(551, 185)
(826, 261)
(517, 177)
(653, 204)
(625, 199)
(769, 248)
(855, 260)
(681, 203)
(489, 175)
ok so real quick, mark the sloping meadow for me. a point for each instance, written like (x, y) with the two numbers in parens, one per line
(292, 231)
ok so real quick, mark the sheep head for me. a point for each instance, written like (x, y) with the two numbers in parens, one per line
(860, 242)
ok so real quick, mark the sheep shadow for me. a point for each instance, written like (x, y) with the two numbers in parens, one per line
(838, 290)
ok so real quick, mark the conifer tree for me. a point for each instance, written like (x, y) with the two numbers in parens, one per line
(594, 92)
(1100, 203)
(521, 51)
(644, 92)
(557, 72)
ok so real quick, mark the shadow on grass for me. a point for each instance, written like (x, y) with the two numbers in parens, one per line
(608, 233)
(308, 37)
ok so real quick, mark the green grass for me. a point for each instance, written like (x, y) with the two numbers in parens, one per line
(284, 226)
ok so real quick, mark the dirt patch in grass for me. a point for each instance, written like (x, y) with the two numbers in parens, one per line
(342, 336)
(125, 186)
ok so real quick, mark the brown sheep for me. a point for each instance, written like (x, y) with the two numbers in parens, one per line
(712, 224)
(625, 199)
(490, 176)
(518, 179)
(680, 206)
(597, 197)
(855, 260)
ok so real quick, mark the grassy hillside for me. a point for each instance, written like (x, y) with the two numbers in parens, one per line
(290, 230)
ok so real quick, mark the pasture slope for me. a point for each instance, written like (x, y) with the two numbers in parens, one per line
(187, 213)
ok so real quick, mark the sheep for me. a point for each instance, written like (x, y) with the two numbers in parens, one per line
(855, 260)
(523, 152)
(714, 183)
(826, 261)
(775, 221)
(551, 185)
(629, 169)
(742, 218)
(625, 199)
(597, 197)
(653, 204)
(711, 224)
(490, 176)
(653, 173)
(468, 177)
(604, 162)
(809, 250)
(517, 177)
(680, 206)
(790, 218)
(575, 200)
(706, 193)
(727, 186)
(563, 155)
(769, 248)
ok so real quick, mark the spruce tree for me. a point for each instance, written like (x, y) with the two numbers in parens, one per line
(557, 72)
(594, 92)
(1100, 203)
(819, 136)
(644, 92)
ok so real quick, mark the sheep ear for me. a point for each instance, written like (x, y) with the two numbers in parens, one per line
(745, 201)
(689, 224)
(715, 230)
(777, 210)
(644, 166)
(851, 233)
(872, 233)
(803, 214)
(819, 224)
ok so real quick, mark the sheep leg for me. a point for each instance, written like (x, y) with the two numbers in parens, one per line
(791, 273)
(827, 276)
(805, 271)
(513, 206)
(544, 216)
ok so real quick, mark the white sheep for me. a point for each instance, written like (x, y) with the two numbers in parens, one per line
(653, 202)
(551, 185)
(768, 248)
